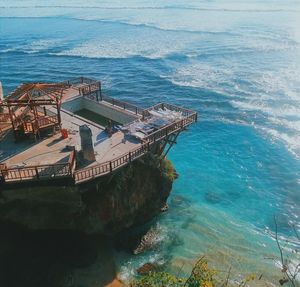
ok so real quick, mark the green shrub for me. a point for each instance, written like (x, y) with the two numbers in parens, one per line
(158, 279)
(168, 169)
(201, 276)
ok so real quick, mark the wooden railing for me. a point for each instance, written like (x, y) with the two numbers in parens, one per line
(80, 80)
(42, 111)
(110, 166)
(46, 171)
(184, 112)
(48, 120)
(36, 172)
(169, 129)
(4, 118)
(72, 161)
(86, 89)
(117, 103)
(123, 105)
(85, 174)
(33, 125)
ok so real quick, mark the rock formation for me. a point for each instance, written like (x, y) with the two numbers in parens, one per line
(130, 197)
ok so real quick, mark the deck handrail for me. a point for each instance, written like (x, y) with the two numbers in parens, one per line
(184, 111)
(45, 171)
(123, 105)
(4, 117)
(118, 103)
(80, 80)
(110, 166)
(67, 169)
(88, 88)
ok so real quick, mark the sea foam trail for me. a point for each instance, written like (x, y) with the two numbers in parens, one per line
(121, 48)
(34, 47)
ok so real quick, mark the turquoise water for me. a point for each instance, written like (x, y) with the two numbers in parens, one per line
(236, 62)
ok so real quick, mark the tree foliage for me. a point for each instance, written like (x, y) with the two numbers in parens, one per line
(201, 276)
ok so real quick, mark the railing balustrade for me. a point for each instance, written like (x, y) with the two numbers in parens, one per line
(66, 169)
(4, 118)
(92, 89)
(36, 172)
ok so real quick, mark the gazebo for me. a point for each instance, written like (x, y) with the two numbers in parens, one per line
(34, 107)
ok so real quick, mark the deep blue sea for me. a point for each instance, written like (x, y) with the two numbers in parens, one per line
(235, 62)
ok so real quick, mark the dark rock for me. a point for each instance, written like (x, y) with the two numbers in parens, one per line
(146, 268)
(147, 241)
(128, 240)
(44, 257)
(164, 208)
(130, 197)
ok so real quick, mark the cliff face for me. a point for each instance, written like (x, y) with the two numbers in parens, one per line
(130, 197)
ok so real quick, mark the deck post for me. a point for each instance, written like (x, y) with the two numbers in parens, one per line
(37, 173)
(110, 166)
(100, 90)
(2, 176)
(129, 156)
(181, 124)
(58, 114)
(12, 120)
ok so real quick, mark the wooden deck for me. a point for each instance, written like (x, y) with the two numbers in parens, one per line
(53, 157)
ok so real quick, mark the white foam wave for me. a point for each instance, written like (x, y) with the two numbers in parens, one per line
(34, 47)
(199, 75)
(271, 111)
(273, 96)
(280, 126)
(292, 142)
(42, 45)
(158, 46)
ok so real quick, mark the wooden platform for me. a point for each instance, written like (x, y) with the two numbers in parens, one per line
(53, 157)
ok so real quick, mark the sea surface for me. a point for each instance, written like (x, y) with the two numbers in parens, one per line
(237, 63)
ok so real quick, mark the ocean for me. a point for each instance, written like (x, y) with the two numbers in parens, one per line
(236, 63)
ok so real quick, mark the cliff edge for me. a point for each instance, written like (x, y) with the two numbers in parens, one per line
(129, 197)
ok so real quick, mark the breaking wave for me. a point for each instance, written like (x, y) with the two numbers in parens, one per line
(271, 99)
(42, 45)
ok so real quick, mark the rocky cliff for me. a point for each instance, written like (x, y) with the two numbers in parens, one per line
(130, 197)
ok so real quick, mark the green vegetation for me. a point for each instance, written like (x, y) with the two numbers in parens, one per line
(201, 276)
(168, 169)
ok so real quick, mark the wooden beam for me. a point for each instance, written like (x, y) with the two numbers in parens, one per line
(171, 143)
